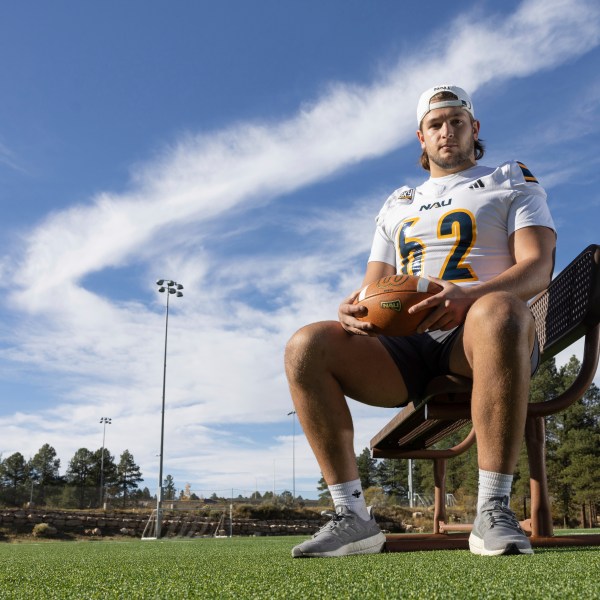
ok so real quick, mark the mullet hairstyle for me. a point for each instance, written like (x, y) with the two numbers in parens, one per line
(479, 145)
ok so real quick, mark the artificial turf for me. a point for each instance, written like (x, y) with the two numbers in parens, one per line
(263, 568)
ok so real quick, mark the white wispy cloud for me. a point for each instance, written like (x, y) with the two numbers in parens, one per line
(205, 176)
(225, 362)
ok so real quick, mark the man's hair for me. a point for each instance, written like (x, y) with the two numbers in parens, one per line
(479, 145)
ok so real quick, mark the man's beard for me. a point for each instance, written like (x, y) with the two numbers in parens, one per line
(461, 158)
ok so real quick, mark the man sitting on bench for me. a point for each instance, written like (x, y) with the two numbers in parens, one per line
(486, 236)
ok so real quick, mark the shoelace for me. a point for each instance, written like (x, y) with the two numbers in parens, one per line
(503, 516)
(335, 519)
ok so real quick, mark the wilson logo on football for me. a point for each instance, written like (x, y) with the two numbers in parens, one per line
(392, 281)
(392, 304)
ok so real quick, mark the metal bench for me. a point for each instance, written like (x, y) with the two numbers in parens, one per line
(567, 311)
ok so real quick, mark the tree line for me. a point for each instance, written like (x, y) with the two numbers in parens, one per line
(572, 454)
(90, 479)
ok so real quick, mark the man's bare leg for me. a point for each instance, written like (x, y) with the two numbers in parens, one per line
(324, 364)
(497, 341)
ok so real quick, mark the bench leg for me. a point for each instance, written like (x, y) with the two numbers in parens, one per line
(439, 507)
(541, 514)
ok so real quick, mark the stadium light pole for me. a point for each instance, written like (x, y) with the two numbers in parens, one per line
(410, 483)
(105, 421)
(170, 287)
(293, 413)
(34, 476)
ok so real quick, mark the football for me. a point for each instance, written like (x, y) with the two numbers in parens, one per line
(388, 300)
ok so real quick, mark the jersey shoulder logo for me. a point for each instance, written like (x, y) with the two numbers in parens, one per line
(405, 196)
(478, 184)
(527, 174)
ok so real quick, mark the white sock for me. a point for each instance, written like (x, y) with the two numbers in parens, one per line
(350, 494)
(492, 485)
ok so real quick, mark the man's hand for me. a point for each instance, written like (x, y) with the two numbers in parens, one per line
(450, 307)
(347, 313)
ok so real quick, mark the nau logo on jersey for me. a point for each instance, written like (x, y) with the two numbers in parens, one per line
(435, 205)
(405, 196)
(527, 173)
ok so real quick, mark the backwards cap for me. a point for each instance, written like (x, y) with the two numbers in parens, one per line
(425, 104)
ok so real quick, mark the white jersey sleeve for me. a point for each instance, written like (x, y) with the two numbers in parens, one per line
(528, 207)
(383, 248)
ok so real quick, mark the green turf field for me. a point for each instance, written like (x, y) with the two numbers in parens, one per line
(262, 568)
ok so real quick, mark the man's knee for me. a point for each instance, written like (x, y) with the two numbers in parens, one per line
(306, 349)
(500, 314)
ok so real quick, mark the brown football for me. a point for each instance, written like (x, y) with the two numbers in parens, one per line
(388, 300)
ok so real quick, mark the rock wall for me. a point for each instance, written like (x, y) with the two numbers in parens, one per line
(109, 523)
(174, 524)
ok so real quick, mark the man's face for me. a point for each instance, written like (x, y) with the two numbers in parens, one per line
(448, 136)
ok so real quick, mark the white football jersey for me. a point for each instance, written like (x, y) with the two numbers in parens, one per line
(457, 227)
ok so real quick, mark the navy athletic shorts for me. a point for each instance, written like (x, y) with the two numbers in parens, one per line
(423, 356)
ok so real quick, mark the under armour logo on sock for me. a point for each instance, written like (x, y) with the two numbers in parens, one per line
(356, 494)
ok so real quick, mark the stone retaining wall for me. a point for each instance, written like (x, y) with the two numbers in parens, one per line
(23, 521)
(174, 524)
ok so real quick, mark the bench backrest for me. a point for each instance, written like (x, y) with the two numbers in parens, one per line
(570, 305)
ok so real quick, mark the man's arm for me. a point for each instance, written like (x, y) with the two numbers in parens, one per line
(348, 311)
(532, 249)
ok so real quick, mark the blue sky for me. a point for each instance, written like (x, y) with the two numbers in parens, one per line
(242, 149)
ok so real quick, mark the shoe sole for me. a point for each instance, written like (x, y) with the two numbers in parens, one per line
(371, 545)
(477, 546)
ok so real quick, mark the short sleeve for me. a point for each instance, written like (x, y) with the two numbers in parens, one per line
(382, 249)
(529, 206)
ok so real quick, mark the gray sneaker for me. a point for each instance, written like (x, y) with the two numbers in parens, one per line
(497, 531)
(345, 534)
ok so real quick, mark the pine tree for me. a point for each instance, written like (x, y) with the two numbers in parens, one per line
(129, 475)
(582, 472)
(80, 474)
(573, 443)
(13, 474)
(391, 474)
(461, 471)
(366, 469)
(325, 495)
(169, 488)
(43, 468)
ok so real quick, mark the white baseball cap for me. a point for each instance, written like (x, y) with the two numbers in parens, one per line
(463, 100)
